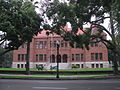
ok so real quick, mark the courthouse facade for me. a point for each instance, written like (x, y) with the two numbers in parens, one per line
(43, 51)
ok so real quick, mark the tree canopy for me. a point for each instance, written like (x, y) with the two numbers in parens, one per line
(19, 22)
(80, 13)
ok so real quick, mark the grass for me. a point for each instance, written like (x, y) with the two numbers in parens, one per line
(90, 69)
(16, 69)
(40, 77)
(62, 74)
(87, 69)
(73, 74)
(22, 77)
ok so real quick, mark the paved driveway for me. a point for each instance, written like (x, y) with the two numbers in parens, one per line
(6, 84)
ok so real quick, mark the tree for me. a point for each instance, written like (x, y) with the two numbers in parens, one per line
(19, 22)
(81, 12)
(112, 56)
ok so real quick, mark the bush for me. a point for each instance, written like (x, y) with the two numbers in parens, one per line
(75, 66)
(40, 67)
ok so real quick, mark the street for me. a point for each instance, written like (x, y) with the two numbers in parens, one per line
(7, 84)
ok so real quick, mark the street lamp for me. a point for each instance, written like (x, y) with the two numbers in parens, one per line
(58, 46)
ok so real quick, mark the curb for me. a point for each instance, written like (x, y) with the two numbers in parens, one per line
(86, 78)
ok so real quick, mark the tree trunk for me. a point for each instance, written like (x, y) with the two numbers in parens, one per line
(27, 58)
(115, 66)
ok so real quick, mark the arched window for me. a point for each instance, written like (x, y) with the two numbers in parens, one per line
(65, 58)
(97, 65)
(52, 58)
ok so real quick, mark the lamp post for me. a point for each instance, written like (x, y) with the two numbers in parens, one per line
(58, 46)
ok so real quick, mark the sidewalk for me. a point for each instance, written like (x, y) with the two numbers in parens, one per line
(53, 75)
(61, 77)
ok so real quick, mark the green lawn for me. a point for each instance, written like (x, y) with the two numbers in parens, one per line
(22, 77)
(90, 69)
(17, 69)
(25, 77)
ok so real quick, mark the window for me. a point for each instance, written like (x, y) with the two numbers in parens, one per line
(96, 56)
(77, 57)
(37, 44)
(36, 57)
(65, 58)
(100, 56)
(59, 58)
(72, 57)
(81, 57)
(45, 44)
(92, 56)
(58, 43)
(97, 65)
(82, 66)
(95, 44)
(41, 57)
(22, 57)
(18, 65)
(93, 66)
(21, 65)
(101, 65)
(50, 44)
(52, 58)
(24, 45)
(18, 57)
(41, 45)
(45, 57)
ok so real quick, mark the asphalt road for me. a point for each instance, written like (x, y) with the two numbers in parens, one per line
(59, 84)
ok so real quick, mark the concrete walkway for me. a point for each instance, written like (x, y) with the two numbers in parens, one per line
(53, 75)
(61, 77)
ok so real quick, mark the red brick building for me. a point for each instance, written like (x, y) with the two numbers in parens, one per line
(43, 51)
